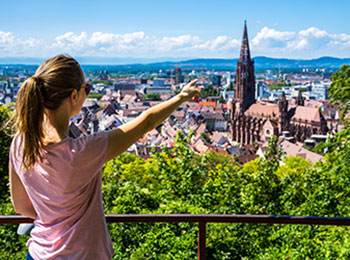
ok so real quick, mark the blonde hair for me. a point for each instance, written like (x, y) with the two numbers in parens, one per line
(53, 81)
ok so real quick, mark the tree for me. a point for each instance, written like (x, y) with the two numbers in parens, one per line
(209, 91)
(98, 96)
(106, 82)
(206, 137)
(339, 90)
(152, 97)
(5, 141)
(11, 245)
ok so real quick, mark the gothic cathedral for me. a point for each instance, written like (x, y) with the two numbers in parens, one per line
(253, 122)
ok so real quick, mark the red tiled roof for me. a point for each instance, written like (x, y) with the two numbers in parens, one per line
(295, 150)
(130, 92)
(213, 116)
(307, 113)
(273, 82)
(150, 133)
(208, 104)
(313, 103)
(200, 146)
(246, 158)
(200, 129)
(179, 114)
(128, 99)
(265, 110)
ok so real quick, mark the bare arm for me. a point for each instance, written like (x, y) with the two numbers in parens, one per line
(19, 197)
(124, 136)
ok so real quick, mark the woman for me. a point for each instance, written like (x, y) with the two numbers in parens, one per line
(55, 179)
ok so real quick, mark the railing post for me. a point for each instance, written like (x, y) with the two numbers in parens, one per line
(201, 240)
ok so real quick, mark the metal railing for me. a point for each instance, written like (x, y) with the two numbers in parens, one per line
(203, 219)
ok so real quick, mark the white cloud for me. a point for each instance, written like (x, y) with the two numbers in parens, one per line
(71, 42)
(116, 44)
(307, 43)
(10, 45)
(6, 38)
(313, 32)
(270, 38)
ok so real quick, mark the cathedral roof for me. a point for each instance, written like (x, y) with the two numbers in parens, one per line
(307, 113)
(263, 110)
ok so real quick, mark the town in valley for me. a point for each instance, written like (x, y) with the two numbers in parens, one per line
(239, 110)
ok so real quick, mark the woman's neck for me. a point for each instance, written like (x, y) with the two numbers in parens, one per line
(55, 126)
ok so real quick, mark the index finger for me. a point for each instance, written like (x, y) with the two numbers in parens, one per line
(193, 82)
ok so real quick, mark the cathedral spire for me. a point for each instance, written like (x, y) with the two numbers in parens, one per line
(245, 53)
(244, 89)
(283, 103)
(300, 99)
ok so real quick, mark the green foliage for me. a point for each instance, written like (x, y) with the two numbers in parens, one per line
(275, 86)
(5, 141)
(95, 95)
(106, 82)
(206, 137)
(11, 245)
(178, 181)
(209, 91)
(339, 90)
(152, 97)
(319, 148)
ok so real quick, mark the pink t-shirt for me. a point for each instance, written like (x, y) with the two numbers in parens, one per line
(65, 189)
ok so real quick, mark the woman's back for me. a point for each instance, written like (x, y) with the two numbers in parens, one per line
(65, 189)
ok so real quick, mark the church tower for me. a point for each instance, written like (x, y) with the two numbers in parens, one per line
(242, 128)
(244, 89)
(283, 117)
(300, 99)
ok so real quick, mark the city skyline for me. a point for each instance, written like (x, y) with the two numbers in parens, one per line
(192, 29)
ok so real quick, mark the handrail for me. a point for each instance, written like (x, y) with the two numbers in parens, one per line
(203, 219)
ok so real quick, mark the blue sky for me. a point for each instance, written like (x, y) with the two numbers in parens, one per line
(183, 28)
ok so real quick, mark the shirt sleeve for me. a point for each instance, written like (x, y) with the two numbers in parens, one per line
(90, 155)
(15, 162)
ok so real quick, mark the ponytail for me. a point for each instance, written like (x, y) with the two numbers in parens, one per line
(54, 80)
(29, 119)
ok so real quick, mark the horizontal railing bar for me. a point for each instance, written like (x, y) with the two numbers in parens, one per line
(196, 218)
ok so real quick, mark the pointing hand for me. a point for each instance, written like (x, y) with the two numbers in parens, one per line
(190, 92)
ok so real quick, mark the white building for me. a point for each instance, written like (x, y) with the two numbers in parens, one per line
(320, 90)
(158, 82)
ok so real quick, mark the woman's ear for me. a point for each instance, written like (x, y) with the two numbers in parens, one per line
(74, 96)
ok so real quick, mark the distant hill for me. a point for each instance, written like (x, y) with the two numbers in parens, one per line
(262, 62)
(134, 64)
(323, 62)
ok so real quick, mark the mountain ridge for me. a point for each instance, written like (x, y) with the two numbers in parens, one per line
(261, 62)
